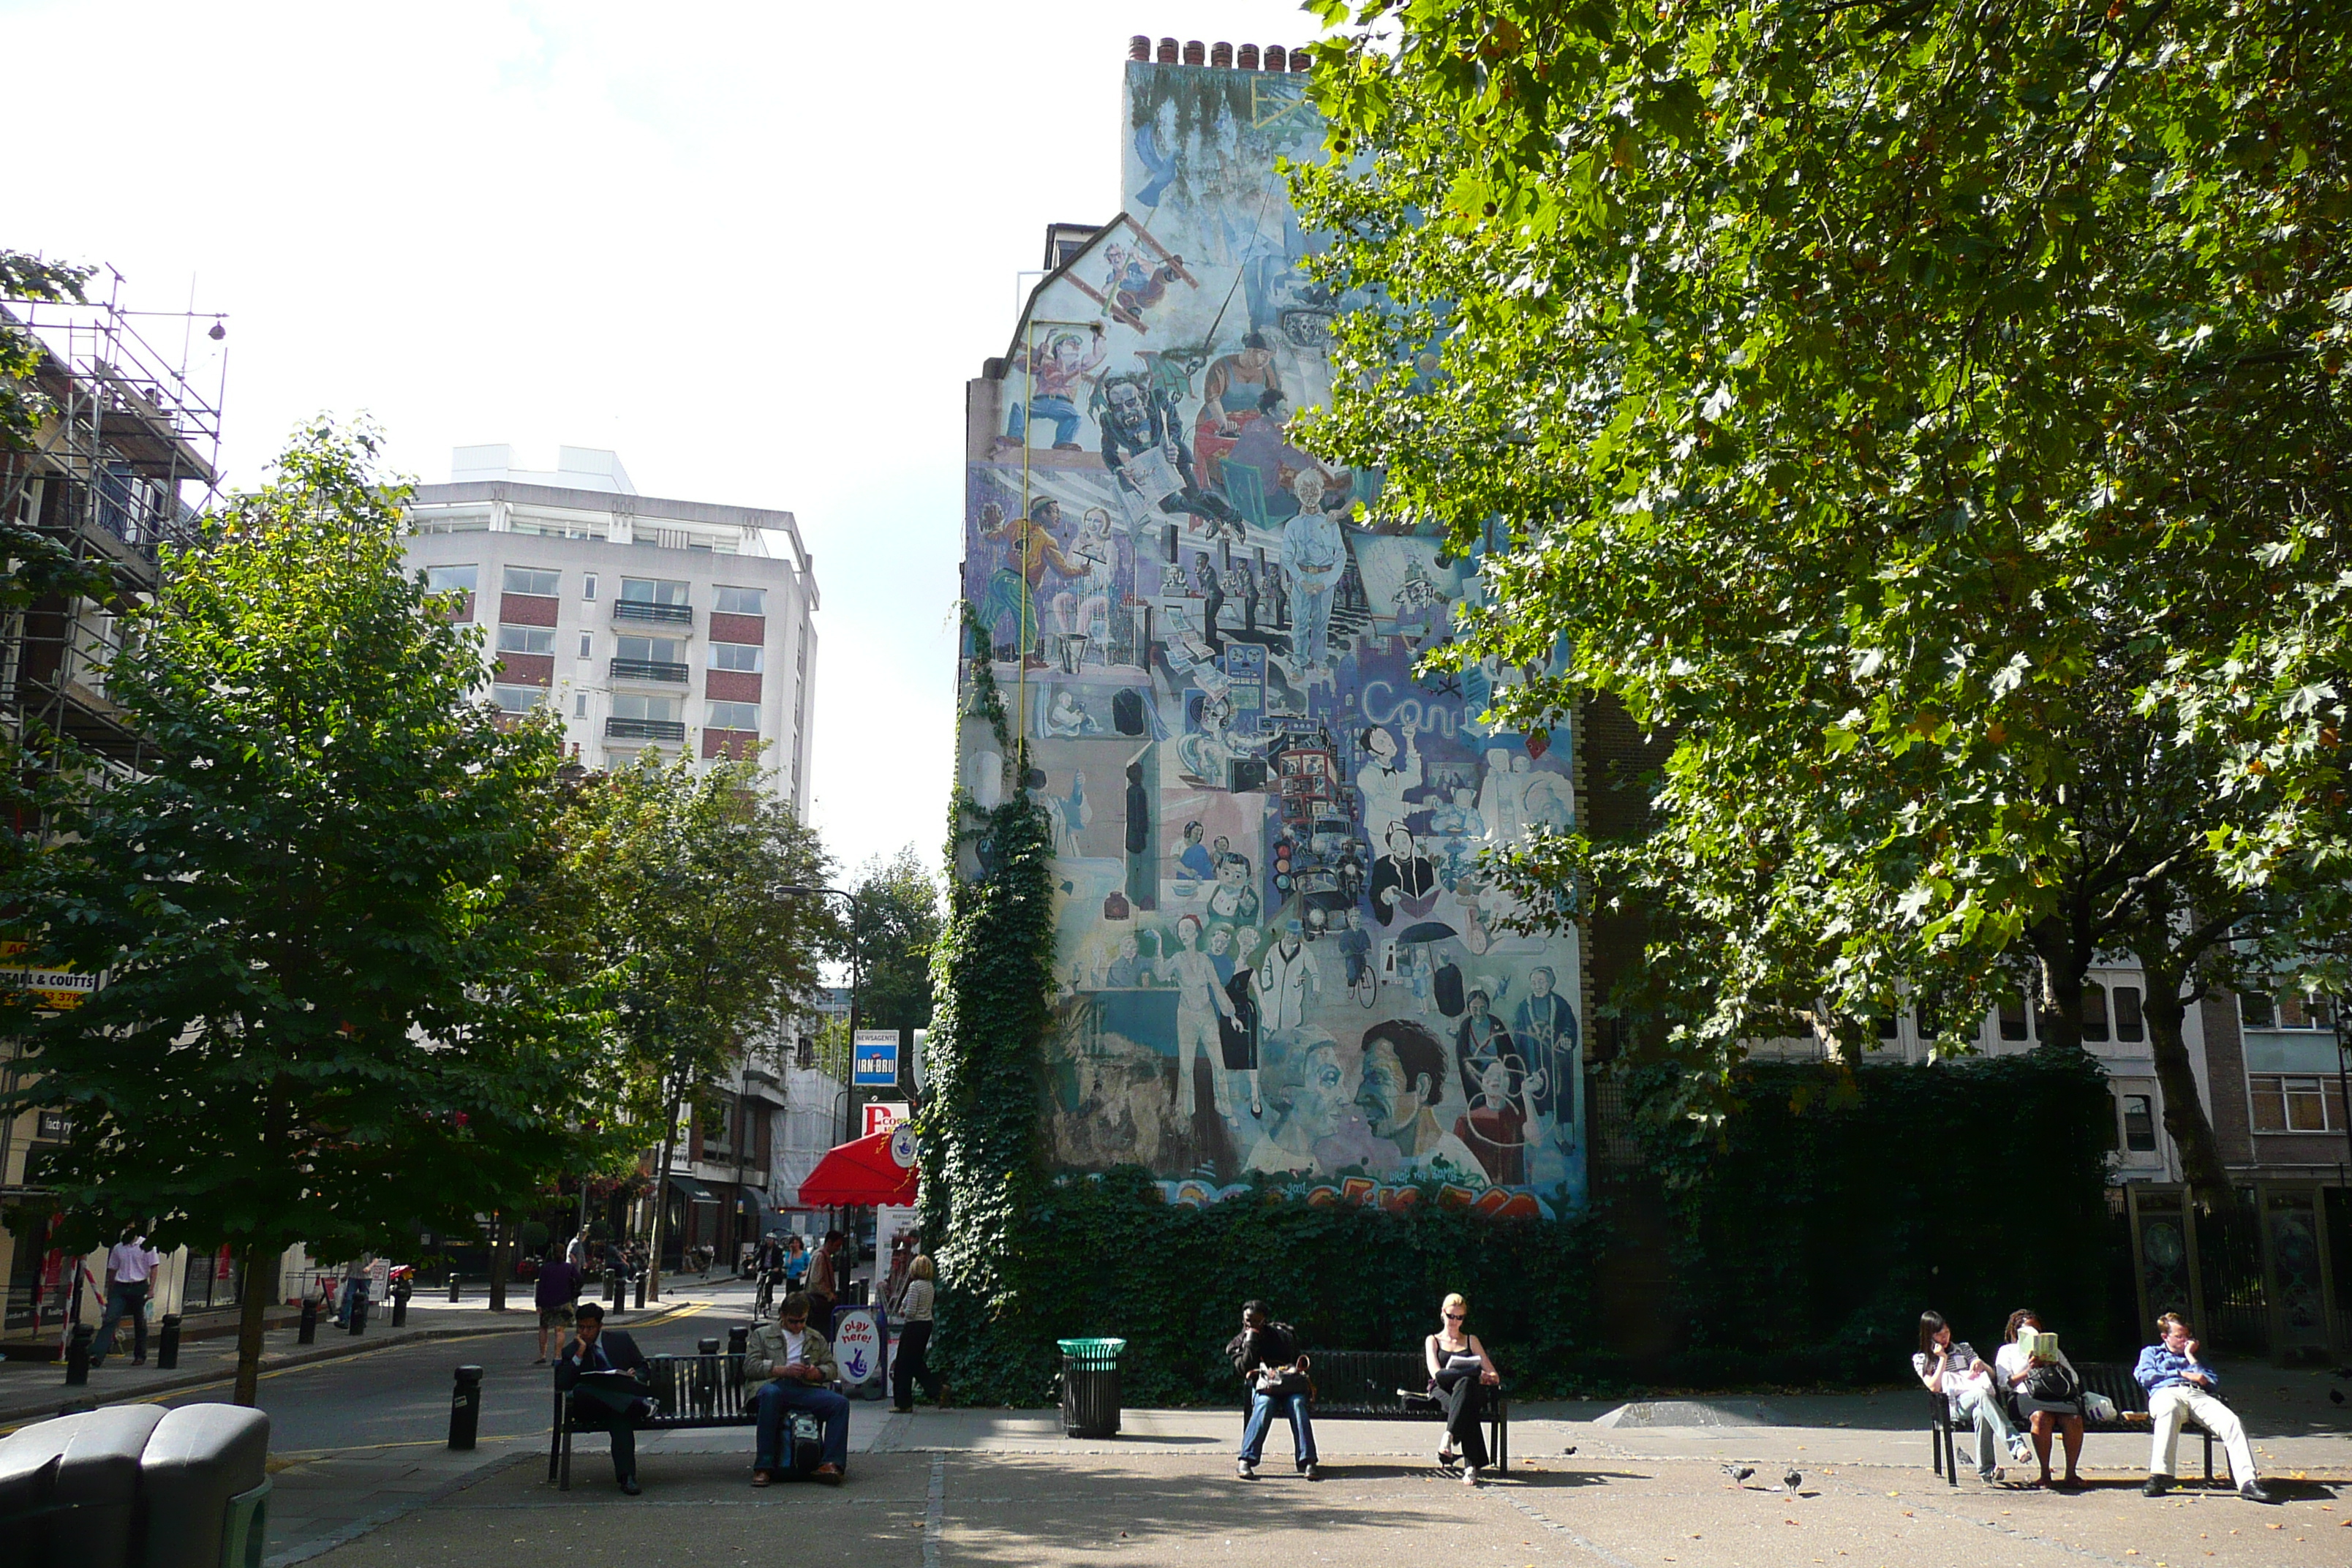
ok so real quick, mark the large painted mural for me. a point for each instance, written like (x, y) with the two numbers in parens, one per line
(1276, 955)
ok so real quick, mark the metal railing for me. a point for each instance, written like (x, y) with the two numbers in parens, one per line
(645, 610)
(618, 729)
(648, 669)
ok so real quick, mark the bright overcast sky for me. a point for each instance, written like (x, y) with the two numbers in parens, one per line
(756, 249)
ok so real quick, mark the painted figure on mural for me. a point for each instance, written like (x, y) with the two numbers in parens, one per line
(1133, 285)
(1545, 1033)
(1066, 812)
(1194, 860)
(1015, 588)
(1495, 1125)
(1211, 589)
(1125, 972)
(1066, 718)
(1144, 447)
(1390, 770)
(1405, 881)
(1305, 1085)
(1055, 372)
(1082, 611)
(1209, 753)
(1355, 944)
(1402, 1084)
(1261, 456)
(1201, 1002)
(1142, 875)
(1233, 902)
(1288, 980)
(1480, 1038)
(1229, 399)
(1314, 551)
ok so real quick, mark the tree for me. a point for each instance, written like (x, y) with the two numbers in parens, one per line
(894, 914)
(683, 877)
(317, 1021)
(1932, 416)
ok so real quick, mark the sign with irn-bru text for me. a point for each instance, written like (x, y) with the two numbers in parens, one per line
(874, 1058)
(57, 989)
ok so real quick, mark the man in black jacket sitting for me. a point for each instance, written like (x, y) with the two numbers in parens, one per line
(1273, 1366)
(614, 1398)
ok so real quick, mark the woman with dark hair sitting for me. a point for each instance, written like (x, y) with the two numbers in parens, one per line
(2047, 1389)
(1952, 1368)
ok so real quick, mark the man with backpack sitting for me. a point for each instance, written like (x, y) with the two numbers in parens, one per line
(1268, 1357)
(2178, 1386)
(796, 1363)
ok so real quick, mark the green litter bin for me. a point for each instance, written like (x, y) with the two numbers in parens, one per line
(1090, 1387)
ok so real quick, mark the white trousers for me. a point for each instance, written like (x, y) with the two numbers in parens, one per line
(2170, 1405)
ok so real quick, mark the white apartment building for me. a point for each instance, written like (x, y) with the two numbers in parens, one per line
(646, 624)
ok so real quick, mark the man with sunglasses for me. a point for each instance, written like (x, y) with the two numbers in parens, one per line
(797, 1364)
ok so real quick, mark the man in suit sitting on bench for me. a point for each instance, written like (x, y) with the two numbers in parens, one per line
(608, 1402)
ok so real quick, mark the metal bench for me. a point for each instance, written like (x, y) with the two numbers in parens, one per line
(2110, 1378)
(687, 1392)
(1388, 1386)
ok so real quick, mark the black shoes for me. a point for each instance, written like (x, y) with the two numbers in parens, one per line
(2255, 1491)
(629, 1485)
(2156, 1486)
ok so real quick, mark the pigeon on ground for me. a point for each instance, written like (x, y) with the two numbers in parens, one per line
(1792, 1481)
(1739, 1472)
(1564, 1453)
(2335, 1396)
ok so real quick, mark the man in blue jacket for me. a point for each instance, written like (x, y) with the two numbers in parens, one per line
(2178, 1386)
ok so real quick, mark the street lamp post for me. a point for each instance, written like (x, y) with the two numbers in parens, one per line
(849, 1075)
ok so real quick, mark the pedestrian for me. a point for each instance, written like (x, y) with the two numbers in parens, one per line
(1952, 1368)
(556, 1296)
(355, 1284)
(2178, 1386)
(130, 1266)
(617, 1400)
(576, 1254)
(1460, 1374)
(796, 1264)
(796, 1361)
(1273, 1369)
(824, 1277)
(913, 1364)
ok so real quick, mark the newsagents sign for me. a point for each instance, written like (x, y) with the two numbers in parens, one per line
(874, 1058)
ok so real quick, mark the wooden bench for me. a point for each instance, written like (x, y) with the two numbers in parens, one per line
(1388, 1386)
(2110, 1378)
(688, 1391)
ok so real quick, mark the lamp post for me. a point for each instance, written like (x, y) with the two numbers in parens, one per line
(848, 1082)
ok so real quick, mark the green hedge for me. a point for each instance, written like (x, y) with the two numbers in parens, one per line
(1835, 1205)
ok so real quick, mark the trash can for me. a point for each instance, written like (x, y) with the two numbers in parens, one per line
(73, 1484)
(1090, 1387)
(206, 1472)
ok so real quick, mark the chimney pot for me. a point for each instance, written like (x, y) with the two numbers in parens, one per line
(1138, 47)
(1248, 61)
(1220, 55)
(1300, 62)
(1275, 60)
(1193, 52)
(1167, 51)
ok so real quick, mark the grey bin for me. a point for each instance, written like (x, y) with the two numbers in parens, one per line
(77, 1479)
(204, 1479)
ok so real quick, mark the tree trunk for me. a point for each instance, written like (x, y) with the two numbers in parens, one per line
(2061, 965)
(252, 1314)
(661, 1203)
(2185, 1121)
(499, 1224)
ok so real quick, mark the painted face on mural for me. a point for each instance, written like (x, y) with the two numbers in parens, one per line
(1309, 488)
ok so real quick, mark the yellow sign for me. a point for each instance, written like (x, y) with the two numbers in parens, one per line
(55, 988)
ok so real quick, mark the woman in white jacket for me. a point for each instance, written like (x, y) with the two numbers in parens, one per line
(2014, 1369)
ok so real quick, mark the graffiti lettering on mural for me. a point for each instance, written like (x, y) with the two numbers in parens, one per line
(1276, 955)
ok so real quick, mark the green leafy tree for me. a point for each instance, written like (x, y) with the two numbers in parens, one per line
(317, 1021)
(894, 914)
(1931, 415)
(683, 876)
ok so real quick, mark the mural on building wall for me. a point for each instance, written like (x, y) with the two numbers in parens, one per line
(1276, 955)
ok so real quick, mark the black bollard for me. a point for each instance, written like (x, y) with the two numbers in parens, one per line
(613, 1289)
(400, 1305)
(466, 1409)
(167, 1343)
(78, 1355)
(738, 1339)
(307, 1334)
(453, 1282)
(641, 1287)
(359, 1311)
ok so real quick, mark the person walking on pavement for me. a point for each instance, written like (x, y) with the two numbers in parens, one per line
(355, 1284)
(2178, 1386)
(555, 1295)
(913, 1364)
(615, 1402)
(796, 1362)
(824, 1277)
(130, 1266)
(1274, 1368)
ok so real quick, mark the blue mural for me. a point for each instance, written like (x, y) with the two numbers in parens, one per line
(1277, 956)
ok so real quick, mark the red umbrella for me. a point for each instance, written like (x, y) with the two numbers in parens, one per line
(861, 1173)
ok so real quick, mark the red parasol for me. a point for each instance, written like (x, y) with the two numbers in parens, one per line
(861, 1173)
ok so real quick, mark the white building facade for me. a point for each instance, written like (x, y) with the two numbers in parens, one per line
(644, 623)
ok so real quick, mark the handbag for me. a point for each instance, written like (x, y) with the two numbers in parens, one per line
(1288, 1381)
(2052, 1383)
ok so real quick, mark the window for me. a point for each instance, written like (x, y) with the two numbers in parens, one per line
(736, 656)
(518, 698)
(652, 590)
(526, 639)
(452, 579)
(2285, 1102)
(2095, 1013)
(2299, 1011)
(2012, 1016)
(644, 705)
(1887, 1025)
(739, 601)
(735, 716)
(2255, 1010)
(530, 580)
(580, 705)
(588, 585)
(648, 650)
(2139, 1124)
(2129, 1028)
(587, 644)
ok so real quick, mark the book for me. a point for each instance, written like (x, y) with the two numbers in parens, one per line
(2038, 1344)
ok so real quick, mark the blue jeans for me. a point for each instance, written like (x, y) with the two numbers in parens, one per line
(124, 1299)
(352, 1290)
(1261, 1416)
(776, 1400)
(1314, 606)
(1060, 410)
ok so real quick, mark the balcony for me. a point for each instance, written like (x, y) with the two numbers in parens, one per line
(641, 610)
(671, 729)
(648, 669)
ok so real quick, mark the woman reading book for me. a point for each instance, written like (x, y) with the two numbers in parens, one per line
(2047, 1388)
(1460, 1374)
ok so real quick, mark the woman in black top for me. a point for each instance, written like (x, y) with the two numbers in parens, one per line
(1460, 1374)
